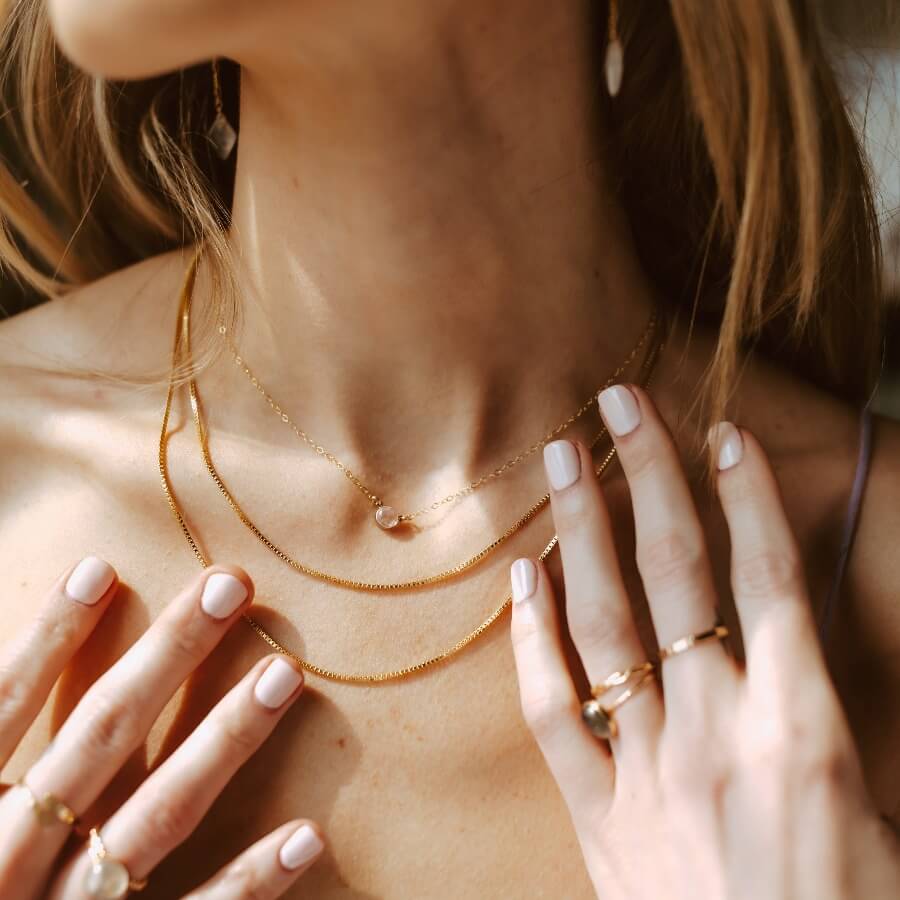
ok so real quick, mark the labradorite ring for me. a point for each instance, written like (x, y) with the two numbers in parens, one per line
(599, 717)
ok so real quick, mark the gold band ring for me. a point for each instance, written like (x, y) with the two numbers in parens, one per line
(108, 878)
(600, 719)
(689, 641)
(49, 810)
(620, 678)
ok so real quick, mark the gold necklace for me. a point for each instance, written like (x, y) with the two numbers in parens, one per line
(387, 517)
(311, 571)
(370, 678)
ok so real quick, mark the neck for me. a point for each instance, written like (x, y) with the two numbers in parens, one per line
(431, 262)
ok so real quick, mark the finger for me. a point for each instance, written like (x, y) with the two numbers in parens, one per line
(793, 715)
(670, 546)
(31, 664)
(579, 763)
(767, 577)
(268, 868)
(597, 606)
(169, 805)
(113, 718)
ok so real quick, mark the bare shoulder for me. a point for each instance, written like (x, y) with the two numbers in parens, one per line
(99, 327)
(64, 403)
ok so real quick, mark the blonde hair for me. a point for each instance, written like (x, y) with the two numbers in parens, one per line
(738, 166)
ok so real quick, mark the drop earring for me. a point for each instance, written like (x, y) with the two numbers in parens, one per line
(614, 63)
(221, 135)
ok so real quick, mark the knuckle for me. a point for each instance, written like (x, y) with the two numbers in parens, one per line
(109, 725)
(800, 750)
(595, 632)
(187, 639)
(54, 630)
(767, 572)
(671, 556)
(546, 715)
(171, 820)
(241, 879)
(236, 734)
(691, 773)
(13, 693)
(575, 508)
(641, 460)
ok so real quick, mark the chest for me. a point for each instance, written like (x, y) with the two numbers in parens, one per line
(430, 787)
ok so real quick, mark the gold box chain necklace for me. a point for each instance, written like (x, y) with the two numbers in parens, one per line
(330, 674)
(341, 580)
(386, 516)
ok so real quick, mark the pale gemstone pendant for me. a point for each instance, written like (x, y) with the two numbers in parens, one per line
(222, 136)
(387, 517)
(613, 66)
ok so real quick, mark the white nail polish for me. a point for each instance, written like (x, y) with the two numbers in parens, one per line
(620, 410)
(730, 444)
(277, 683)
(89, 580)
(300, 848)
(523, 575)
(222, 595)
(563, 464)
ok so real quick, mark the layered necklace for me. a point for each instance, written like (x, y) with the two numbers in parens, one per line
(651, 342)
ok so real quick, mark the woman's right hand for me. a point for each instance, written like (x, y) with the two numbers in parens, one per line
(112, 721)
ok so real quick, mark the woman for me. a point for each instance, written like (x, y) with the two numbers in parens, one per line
(439, 235)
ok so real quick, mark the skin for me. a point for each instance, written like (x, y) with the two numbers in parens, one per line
(436, 168)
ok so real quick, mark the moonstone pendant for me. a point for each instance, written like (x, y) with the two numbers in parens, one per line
(613, 66)
(107, 880)
(222, 136)
(598, 720)
(387, 517)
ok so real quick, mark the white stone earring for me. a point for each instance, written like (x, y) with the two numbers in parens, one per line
(221, 134)
(614, 63)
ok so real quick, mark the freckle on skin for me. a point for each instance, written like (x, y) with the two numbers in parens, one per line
(342, 742)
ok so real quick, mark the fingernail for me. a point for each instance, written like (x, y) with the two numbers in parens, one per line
(619, 409)
(222, 595)
(90, 580)
(731, 445)
(301, 847)
(523, 574)
(563, 464)
(277, 683)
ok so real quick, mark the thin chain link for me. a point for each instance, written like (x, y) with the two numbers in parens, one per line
(312, 571)
(472, 486)
(323, 672)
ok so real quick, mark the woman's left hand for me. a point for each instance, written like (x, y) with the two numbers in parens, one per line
(744, 781)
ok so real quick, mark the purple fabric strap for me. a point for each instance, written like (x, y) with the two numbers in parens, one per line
(852, 517)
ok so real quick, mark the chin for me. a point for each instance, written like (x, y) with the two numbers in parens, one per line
(131, 39)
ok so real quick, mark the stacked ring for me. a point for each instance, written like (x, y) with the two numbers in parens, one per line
(689, 641)
(108, 878)
(599, 718)
(49, 810)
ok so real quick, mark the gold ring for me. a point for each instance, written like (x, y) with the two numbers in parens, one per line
(620, 678)
(49, 810)
(599, 718)
(108, 878)
(689, 641)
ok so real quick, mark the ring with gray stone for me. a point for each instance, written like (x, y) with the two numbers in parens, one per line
(598, 717)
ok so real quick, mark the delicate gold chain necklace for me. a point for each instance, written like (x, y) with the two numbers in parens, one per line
(342, 580)
(370, 678)
(387, 517)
